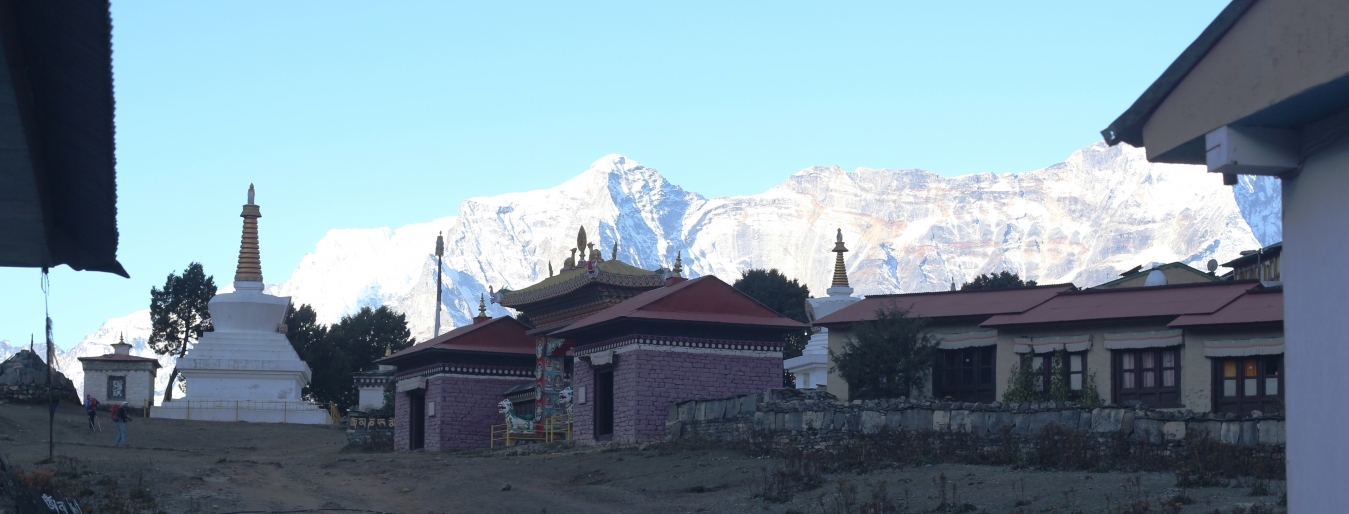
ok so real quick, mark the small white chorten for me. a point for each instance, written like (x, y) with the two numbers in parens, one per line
(812, 367)
(246, 369)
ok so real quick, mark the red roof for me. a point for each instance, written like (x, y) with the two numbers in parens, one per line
(498, 335)
(116, 357)
(949, 304)
(704, 299)
(1256, 306)
(1130, 302)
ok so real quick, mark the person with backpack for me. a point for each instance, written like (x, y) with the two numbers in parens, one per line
(91, 408)
(119, 416)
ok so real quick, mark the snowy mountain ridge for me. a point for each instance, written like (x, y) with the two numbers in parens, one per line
(1101, 211)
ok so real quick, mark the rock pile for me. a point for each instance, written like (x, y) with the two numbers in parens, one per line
(23, 379)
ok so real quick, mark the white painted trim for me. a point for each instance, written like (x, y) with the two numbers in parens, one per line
(1244, 347)
(1135, 340)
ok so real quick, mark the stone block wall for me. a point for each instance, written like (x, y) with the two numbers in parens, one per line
(818, 418)
(647, 380)
(402, 421)
(140, 390)
(373, 432)
(466, 409)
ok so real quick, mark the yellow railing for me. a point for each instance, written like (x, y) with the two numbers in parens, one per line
(555, 428)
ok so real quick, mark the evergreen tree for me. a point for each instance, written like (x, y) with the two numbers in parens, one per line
(787, 297)
(889, 357)
(179, 315)
(1003, 280)
(334, 353)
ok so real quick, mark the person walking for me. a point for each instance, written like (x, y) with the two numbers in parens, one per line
(119, 416)
(91, 408)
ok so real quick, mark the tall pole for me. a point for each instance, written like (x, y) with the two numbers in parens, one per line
(51, 398)
(440, 253)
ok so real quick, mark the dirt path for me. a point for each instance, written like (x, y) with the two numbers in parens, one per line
(193, 466)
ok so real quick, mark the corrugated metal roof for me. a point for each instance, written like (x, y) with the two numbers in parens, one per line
(499, 335)
(1263, 305)
(1131, 302)
(949, 304)
(704, 299)
(116, 357)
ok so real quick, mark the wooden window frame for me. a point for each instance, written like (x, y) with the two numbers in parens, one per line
(1241, 403)
(1046, 371)
(984, 361)
(1158, 396)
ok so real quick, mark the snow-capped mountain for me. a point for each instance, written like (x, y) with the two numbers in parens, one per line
(1102, 211)
(135, 327)
(1260, 199)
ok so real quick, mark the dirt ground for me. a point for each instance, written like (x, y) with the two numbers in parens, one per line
(195, 466)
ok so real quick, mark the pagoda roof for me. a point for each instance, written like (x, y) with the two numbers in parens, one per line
(503, 335)
(610, 272)
(701, 300)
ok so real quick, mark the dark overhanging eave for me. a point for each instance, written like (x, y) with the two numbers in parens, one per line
(1128, 127)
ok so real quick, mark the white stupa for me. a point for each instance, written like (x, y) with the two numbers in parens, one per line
(246, 369)
(812, 367)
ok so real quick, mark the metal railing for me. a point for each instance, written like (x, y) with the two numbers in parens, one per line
(552, 428)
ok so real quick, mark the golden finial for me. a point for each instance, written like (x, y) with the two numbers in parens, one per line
(482, 306)
(592, 254)
(550, 268)
(249, 268)
(388, 349)
(679, 264)
(613, 254)
(570, 262)
(581, 241)
(840, 272)
(121, 338)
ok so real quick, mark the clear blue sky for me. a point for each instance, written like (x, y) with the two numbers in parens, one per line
(365, 114)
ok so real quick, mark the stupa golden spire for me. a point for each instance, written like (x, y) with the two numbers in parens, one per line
(482, 306)
(679, 264)
(840, 273)
(250, 261)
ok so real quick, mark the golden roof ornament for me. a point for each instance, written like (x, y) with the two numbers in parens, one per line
(482, 306)
(388, 349)
(840, 272)
(570, 262)
(250, 259)
(550, 268)
(679, 264)
(613, 254)
(581, 241)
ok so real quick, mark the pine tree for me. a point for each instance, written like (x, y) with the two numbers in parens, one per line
(1003, 280)
(787, 297)
(886, 358)
(179, 314)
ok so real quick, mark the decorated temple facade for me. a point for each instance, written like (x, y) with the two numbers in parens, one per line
(586, 284)
(448, 387)
(697, 338)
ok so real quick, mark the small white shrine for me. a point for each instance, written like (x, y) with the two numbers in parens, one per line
(246, 369)
(812, 367)
(121, 377)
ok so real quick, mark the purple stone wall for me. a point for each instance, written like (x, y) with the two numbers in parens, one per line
(401, 422)
(466, 409)
(646, 381)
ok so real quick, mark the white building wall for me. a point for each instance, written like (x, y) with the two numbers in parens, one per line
(1316, 327)
(140, 390)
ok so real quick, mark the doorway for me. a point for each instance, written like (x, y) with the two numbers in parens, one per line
(604, 404)
(417, 423)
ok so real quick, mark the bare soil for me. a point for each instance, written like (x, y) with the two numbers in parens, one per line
(178, 466)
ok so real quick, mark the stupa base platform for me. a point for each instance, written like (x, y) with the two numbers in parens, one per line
(253, 411)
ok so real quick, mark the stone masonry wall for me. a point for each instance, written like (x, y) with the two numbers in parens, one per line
(466, 409)
(818, 418)
(401, 421)
(646, 381)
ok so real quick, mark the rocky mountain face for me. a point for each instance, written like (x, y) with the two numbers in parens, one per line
(1100, 212)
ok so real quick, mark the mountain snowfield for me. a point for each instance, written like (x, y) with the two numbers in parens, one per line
(1102, 211)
